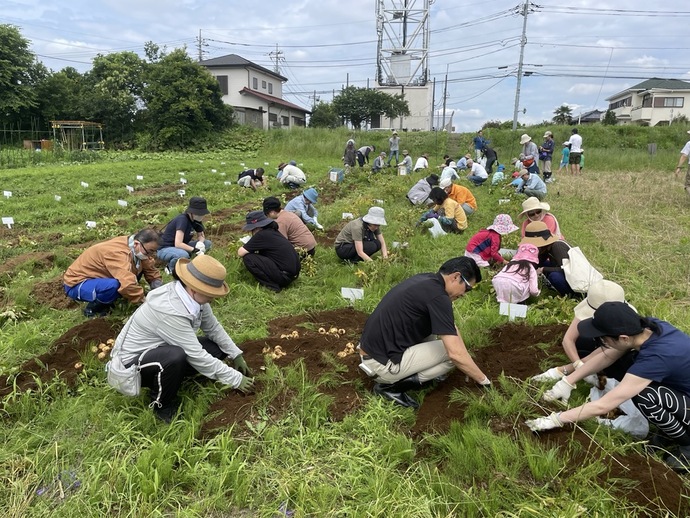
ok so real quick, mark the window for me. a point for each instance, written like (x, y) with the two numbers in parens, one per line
(272, 117)
(673, 102)
(647, 101)
(285, 121)
(270, 88)
(263, 85)
(255, 83)
(619, 104)
(223, 83)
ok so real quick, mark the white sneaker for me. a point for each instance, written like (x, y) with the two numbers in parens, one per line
(551, 374)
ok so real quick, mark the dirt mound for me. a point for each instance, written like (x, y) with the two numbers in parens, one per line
(40, 261)
(161, 189)
(52, 294)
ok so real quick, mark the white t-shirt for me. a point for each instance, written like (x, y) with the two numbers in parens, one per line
(478, 170)
(421, 163)
(686, 150)
(575, 143)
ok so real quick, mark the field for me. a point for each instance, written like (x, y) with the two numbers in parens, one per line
(312, 440)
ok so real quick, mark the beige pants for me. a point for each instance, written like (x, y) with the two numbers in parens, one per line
(428, 359)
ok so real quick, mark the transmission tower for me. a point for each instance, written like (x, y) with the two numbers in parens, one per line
(403, 42)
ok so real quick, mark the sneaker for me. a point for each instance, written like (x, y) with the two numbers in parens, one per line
(167, 412)
(399, 398)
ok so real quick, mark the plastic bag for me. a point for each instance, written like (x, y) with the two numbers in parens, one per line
(435, 228)
(633, 422)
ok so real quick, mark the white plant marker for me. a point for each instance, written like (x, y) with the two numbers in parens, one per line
(380, 202)
(227, 183)
(181, 173)
(222, 163)
(222, 174)
(214, 170)
(512, 310)
(352, 294)
(181, 192)
(242, 164)
(90, 224)
(8, 221)
(57, 197)
(7, 194)
(84, 185)
(348, 215)
(140, 177)
(501, 201)
(122, 203)
(130, 188)
(183, 181)
(245, 239)
(265, 163)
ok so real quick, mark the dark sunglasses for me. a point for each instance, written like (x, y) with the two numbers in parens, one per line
(468, 286)
(145, 250)
(534, 213)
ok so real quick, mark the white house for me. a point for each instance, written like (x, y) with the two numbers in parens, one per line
(651, 102)
(255, 93)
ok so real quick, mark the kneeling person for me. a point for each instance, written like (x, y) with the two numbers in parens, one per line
(361, 238)
(291, 226)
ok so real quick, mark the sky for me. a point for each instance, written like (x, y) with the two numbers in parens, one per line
(577, 52)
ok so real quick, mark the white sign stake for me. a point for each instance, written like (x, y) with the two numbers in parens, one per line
(122, 203)
(182, 173)
(214, 171)
(513, 310)
(84, 185)
(140, 177)
(8, 221)
(130, 188)
(58, 198)
(90, 224)
(183, 181)
(227, 183)
(352, 294)
(348, 215)
(181, 192)
(7, 194)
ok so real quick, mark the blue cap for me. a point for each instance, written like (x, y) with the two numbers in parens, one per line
(311, 194)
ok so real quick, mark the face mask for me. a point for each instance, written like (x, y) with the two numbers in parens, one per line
(197, 218)
(141, 256)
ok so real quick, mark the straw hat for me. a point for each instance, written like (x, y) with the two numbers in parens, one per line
(598, 293)
(527, 252)
(538, 234)
(533, 203)
(203, 274)
(503, 224)
(375, 216)
(525, 138)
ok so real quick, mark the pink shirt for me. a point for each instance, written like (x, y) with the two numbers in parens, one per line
(550, 221)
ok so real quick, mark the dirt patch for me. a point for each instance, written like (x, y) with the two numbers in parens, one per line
(326, 238)
(52, 294)
(160, 189)
(40, 261)
(65, 352)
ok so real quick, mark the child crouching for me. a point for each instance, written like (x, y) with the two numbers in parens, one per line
(517, 281)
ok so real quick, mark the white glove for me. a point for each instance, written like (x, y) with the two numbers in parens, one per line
(318, 225)
(200, 248)
(592, 379)
(545, 423)
(559, 392)
(551, 374)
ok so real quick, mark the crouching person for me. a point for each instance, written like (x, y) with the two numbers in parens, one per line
(161, 336)
(410, 341)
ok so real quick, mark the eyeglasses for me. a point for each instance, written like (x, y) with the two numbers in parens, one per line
(468, 286)
(534, 213)
(151, 253)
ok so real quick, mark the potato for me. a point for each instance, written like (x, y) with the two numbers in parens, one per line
(94, 349)
(322, 331)
(102, 355)
(78, 365)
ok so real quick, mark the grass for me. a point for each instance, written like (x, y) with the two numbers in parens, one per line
(628, 213)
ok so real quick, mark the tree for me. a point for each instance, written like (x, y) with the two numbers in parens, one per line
(18, 73)
(609, 118)
(563, 115)
(183, 102)
(323, 115)
(360, 105)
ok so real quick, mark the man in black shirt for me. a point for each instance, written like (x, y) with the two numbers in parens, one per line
(410, 340)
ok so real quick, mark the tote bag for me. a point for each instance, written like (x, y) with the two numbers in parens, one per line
(579, 273)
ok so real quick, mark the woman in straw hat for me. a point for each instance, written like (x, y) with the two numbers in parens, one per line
(535, 210)
(581, 350)
(552, 252)
(161, 336)
(362, 237)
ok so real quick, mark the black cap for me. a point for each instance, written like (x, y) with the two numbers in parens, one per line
(611, 319)
(432, 179)
(197, 205)
(271, 203)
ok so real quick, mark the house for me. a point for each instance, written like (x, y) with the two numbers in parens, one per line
(255, 93)
(651, 102)
(591, 117)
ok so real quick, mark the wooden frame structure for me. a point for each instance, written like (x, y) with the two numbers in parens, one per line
(78, 135)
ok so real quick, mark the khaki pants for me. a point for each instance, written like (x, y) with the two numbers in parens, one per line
(428, 360)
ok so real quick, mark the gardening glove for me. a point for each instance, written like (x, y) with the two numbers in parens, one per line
(200, 248)
(486, 384)
(246, 385)
(443, 220)
(551, 374)
(241, 365)
(559, 392)
(545, 423)
(156, 284)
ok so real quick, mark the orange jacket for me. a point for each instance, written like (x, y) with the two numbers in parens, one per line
(462, 195)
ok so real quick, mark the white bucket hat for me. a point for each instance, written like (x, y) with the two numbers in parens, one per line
(598, 293)
(525, 138)
(375, 216)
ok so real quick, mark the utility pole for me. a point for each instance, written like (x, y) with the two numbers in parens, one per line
(445, 94)
(523, 42)
(432, 125)
(276, 56)
(200, 44)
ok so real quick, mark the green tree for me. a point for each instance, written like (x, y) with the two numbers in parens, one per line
(563, 115)
(323, 115)
(609, 118)
(360, 105)
(18, 73)
(183, 102)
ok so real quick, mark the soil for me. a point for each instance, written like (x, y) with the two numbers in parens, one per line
(41, 261)
(516, 350)
(52, 294)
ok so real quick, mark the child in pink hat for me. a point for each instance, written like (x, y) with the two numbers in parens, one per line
(483, 247)
(517, 281)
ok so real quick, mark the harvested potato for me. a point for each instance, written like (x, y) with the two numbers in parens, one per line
(94, 349)
(78, 365)
(110, 341)
(322, 331)
(102, 355)
(341, 331)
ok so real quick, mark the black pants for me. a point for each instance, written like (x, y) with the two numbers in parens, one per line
(490, 165)
(617, 369)
(347, 252)
(360, 159)
(173, 370)
(667, 409)
(267, 272)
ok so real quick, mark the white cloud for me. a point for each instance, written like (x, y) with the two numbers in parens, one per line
(647, 61)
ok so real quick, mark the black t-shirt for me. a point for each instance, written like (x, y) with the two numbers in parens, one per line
(408, 314)
(250, 173)
(184, 223)
(272, 244)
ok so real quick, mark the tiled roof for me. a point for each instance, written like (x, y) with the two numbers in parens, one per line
(235, 61)
(275, 100)
(654, 83)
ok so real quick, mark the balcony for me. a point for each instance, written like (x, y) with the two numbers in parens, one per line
(641, 114)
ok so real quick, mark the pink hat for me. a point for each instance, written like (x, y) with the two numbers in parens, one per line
(527, 252)
(503, 224)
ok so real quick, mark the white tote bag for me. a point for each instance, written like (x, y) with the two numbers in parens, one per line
(579, 273)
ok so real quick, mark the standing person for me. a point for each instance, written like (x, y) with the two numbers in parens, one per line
(394, 146)
(575, 141)
(565, 157)
(291, 176)
(268, 255)
(419, 193)
(363, 154)
(112, 269)
(291, 226)
(657, 382)
(546, 155)
(349, 156)
(683, 159)
(450, 214)
(251, 178)
(304, 206)
(518, 280)
(491, 158)
(407, 161)
(421, 163)
(532, 185)
(552, 253)
(484, 247)
(161, 336)
(176, 239)
(460, 194)
(362, 237)
(479, 142)
(378, 162)
(535, 210)
(411, 341)
(530, 154)
(478, 174)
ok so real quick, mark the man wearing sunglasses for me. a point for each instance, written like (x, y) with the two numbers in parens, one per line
(112, 269)
(411, 341)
